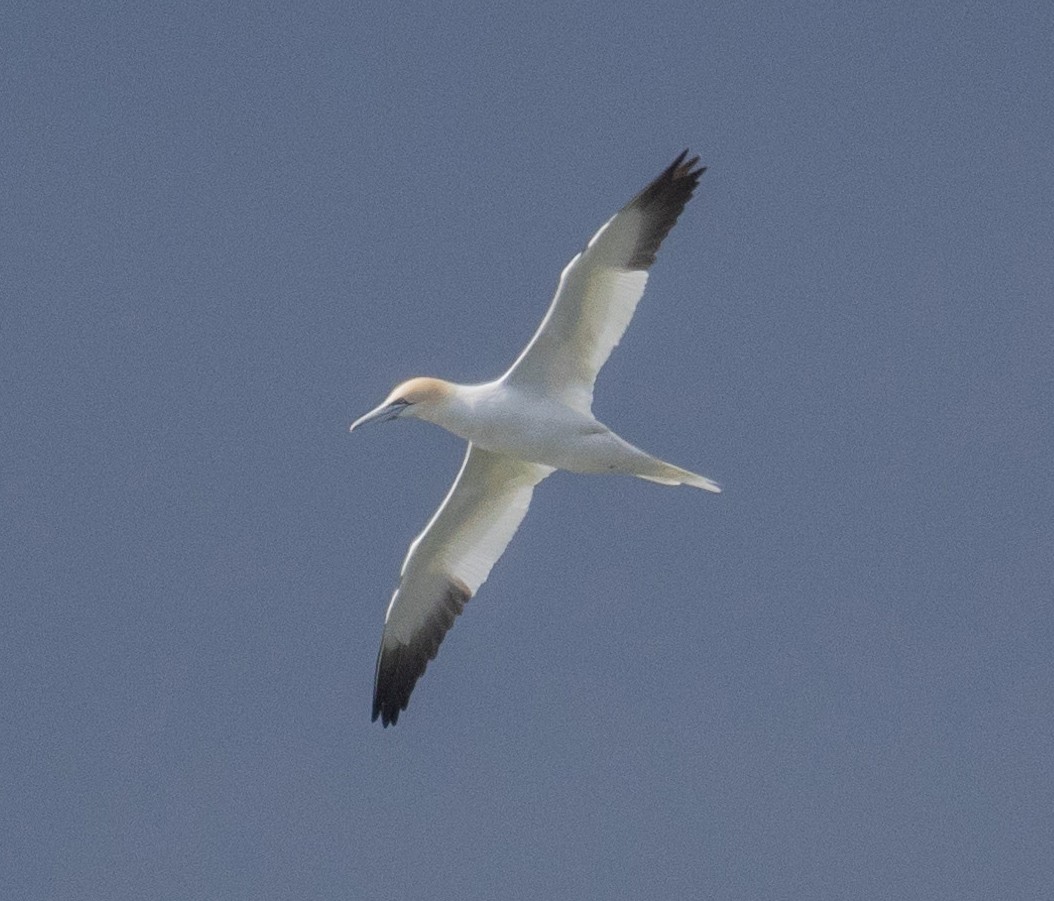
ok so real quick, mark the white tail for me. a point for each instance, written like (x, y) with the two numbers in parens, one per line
(668, 474)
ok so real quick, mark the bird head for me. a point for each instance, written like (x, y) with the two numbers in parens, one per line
(417, 398)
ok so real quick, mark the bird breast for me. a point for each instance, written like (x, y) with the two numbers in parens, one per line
(524, 426)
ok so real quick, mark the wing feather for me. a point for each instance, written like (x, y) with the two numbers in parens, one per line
(599, 290)
(446, 565)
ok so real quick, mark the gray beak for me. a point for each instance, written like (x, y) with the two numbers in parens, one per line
(382, 414)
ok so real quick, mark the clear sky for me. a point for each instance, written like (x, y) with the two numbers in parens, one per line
(227, 230)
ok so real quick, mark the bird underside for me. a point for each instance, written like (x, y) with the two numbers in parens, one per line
(590, 448)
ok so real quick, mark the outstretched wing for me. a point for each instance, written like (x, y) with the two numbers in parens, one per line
(445, 566)
(599, 290)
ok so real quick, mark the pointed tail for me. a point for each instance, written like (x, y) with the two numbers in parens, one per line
(668, 474)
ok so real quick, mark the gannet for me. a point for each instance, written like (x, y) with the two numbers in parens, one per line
(535, 419)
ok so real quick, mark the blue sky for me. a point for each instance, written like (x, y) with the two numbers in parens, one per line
(227, 231)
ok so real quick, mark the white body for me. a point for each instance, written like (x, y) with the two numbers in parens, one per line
(537, 429)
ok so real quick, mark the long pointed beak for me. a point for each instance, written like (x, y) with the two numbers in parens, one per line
(382, 414)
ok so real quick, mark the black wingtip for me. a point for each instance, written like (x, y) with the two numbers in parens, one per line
(399, 666)
(682, 168)
(662, 201)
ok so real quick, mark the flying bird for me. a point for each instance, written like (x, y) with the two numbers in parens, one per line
(535, 419)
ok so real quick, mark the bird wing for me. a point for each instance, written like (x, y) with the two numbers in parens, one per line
(599, 290)
(445, 566)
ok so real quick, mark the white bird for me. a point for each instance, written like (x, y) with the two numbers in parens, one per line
(533, 420)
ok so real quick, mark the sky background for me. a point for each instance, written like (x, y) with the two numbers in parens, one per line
(228, 230)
